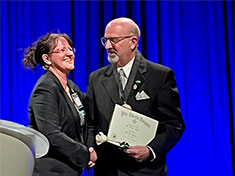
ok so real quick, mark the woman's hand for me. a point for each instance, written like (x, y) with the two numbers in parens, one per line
(93, 157)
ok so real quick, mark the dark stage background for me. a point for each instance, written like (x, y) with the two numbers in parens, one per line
(195, 38)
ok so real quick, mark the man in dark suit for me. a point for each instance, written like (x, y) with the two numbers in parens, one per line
(159, 100)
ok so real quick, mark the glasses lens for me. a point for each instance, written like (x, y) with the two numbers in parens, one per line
(74, 50)
(64, 50)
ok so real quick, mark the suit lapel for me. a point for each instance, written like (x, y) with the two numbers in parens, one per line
(131, 78)
(63, 93)
(110, 84)
(136, 79)
(75, 114)
(137, 76)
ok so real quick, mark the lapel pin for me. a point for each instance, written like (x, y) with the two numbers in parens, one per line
(134, 86)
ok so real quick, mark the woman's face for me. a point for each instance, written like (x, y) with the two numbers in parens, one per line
(62, 57)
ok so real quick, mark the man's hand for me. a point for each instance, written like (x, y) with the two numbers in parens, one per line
(93, 157)
(140, 153)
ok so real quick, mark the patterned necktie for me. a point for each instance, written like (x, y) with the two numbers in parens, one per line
(123, 78)
(122, 83)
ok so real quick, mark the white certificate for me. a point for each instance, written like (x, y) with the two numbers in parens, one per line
(131, 127)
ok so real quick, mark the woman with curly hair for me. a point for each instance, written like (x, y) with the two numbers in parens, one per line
(56, 108)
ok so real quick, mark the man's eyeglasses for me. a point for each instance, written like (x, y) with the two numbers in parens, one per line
(114, 40)
(63, 50)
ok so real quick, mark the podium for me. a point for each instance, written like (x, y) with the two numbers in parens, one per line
(19, 146)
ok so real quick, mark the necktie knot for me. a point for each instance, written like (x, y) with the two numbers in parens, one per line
(122, 73)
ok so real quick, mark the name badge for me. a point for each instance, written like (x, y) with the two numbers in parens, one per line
(77, 100)
(79, 107)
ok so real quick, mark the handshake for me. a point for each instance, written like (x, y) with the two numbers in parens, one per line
(100, 138)
(93, 157)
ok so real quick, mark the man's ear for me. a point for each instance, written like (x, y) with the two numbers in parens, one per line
(134, 43)
(46, 59)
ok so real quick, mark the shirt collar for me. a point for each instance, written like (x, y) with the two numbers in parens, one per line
(127, 67)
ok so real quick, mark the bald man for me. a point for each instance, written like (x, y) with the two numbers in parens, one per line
(160, 102)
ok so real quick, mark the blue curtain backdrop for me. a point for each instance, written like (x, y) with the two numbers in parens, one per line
(195, 38)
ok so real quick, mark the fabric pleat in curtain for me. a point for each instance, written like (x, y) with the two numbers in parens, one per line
(194, 38)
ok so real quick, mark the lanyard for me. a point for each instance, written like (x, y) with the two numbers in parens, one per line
(78, 105)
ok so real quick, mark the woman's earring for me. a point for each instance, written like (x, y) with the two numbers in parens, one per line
(46, 67)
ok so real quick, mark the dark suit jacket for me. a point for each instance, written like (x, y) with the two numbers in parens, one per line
(53, 114)
(159, 83)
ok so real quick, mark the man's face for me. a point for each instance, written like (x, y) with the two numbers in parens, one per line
(118, 43)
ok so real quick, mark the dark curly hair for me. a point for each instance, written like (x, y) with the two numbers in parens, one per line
(44, 45)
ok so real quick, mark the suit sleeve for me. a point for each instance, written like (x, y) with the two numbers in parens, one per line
(171, 124)
(44, 107)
